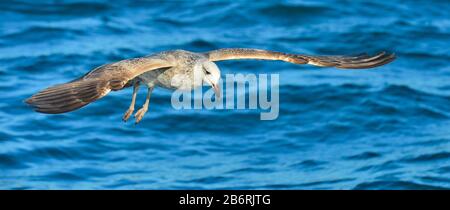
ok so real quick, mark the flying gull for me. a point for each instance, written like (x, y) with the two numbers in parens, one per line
(160, 69)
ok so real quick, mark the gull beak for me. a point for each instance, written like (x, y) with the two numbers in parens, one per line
(217, 90)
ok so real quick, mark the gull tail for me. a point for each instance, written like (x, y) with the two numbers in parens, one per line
(68, 96)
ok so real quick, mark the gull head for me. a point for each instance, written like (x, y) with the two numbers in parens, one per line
(212, 76)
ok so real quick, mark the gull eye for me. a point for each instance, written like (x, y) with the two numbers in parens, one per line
(206, 71)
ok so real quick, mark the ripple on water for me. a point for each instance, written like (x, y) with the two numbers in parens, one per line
(363, 156)
(438, 156)
(396, 185)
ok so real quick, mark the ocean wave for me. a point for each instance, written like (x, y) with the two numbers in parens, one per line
(294, 11)
(396, 185)
(385, 128)
(364, 156)
(308, 165)
(38, 33)
(10, 162)
(62, 9)
(428, 157)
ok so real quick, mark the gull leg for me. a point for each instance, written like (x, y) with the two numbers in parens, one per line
(141, 112)
(133, 101)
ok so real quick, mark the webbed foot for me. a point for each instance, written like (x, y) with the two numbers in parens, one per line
(140, 114)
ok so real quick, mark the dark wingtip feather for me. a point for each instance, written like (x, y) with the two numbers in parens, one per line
(379, 59)
(28, 101)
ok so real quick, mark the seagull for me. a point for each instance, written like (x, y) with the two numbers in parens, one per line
(175, 69)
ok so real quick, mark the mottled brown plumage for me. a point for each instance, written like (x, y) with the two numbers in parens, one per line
(165, 70)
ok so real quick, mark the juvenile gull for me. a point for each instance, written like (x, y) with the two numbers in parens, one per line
(177, 69)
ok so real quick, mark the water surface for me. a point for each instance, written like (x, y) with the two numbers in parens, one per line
(387, 128)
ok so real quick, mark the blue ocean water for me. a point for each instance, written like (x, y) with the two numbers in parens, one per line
(386, 128)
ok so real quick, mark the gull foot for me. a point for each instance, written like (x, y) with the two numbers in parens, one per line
(127, 114)
(140, 114)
